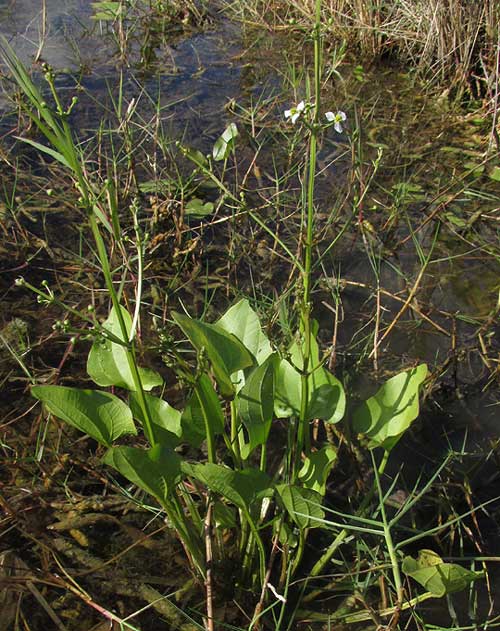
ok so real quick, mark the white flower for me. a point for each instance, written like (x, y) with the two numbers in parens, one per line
(338, 118)
(294, 113)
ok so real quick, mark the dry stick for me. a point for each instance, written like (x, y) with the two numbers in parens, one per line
(405, 306)
(209, 623)
(260, 604)
(494, 133)
(43, 33)
(332, 361)
(376, 331)
(398, 299)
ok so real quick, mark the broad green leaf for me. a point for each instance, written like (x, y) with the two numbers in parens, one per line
(225, 352)
(165, 418)
(203, 412)
(197, 208)
(242, 321)
(303, 505)
(316, 468)
(324, 400)
(438, 577)
(287, 536)
(241, 488)
(255, 404)
(106, 10)
(99, 414)
(494, 174)
(318, 377)
(287, 391)
(225, 143)
(156, 470)
(326, 395)
(107, 362)
(385, 417)
(224, 516)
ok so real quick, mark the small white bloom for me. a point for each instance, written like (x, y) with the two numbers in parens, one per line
(338, 118)
(294, 113)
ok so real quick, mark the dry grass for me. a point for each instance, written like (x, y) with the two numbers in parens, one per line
(452, 41)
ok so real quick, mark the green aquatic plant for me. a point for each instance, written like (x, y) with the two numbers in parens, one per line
(241, 393)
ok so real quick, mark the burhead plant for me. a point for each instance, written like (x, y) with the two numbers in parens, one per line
(240, 388)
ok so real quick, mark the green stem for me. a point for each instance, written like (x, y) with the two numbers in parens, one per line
(303, 437)
(363, 616)
(130, 350)
(396, 572)
(235, 441)
(320, 564)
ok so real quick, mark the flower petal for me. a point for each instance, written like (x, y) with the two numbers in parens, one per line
(301, 106)
(338, 127)
(330, 116)
(288, 113)
(341, 115)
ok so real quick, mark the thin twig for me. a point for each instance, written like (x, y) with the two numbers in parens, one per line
(209, 623)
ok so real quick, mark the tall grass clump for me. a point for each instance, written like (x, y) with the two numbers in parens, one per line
(255, 494)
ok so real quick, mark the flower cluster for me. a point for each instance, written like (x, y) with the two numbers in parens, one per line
(337, 118)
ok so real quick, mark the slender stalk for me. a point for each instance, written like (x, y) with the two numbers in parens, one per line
(396, 572)
(303, 437)
(235, 429)
(320, 564)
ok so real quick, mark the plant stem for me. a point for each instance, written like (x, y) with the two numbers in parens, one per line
(320, 564)
(235, 441)
(396, 572)
(303, 437)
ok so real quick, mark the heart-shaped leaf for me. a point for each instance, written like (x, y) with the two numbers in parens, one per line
(165, 418)
(326, 395)
(255, 404)
(107, 363)
(225, 352)
(303, 505)
(242, 321)
(101, 415)
(241, 488)
(203, 414)
(197, 208)
(225, 143)
(316, 468)
(384, 417)
(438, 577)
(156, 470)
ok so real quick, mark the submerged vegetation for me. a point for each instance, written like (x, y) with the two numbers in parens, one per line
(249, 320)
